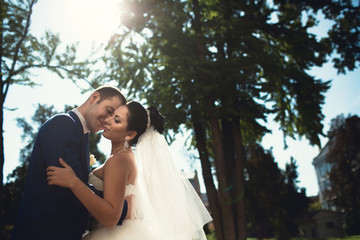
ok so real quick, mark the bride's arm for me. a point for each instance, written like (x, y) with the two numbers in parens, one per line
(106, 210)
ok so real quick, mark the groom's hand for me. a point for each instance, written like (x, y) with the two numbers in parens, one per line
(62, 177)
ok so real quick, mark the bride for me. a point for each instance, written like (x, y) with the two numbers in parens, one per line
(162, 204)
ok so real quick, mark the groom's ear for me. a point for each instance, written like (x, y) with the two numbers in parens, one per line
(95, 97)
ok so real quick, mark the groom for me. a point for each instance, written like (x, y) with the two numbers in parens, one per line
(50, 212)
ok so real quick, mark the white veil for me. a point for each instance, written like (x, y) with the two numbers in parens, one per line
(164, 198)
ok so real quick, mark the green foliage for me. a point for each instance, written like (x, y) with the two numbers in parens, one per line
(252, 60)
(23, 52)
(272, 196)
(223, 65)
(211, 236)
(314, 206)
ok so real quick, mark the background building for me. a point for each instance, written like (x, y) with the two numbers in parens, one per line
(321, 224)
(322, 169)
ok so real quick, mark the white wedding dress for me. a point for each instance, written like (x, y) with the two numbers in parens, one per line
(134, 229)
(165, 205)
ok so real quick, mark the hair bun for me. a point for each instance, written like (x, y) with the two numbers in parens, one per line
(156, 119)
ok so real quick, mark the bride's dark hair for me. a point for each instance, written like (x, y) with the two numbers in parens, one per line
(137, 119)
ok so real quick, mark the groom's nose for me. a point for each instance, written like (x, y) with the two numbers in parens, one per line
(107, 120)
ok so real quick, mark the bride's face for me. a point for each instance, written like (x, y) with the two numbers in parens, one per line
(115, 128)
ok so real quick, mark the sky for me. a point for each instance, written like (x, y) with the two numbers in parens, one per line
(91, 23)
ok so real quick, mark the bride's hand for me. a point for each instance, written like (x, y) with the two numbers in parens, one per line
(62, 177)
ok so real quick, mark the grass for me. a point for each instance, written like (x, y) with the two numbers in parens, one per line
(212, 237)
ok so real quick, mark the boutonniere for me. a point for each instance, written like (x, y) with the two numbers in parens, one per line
(92, 160)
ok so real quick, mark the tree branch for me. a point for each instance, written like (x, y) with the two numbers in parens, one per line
(55, 67)
(7, 83)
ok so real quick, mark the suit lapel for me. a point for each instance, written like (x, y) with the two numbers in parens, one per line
(77, 120)
(85, 142)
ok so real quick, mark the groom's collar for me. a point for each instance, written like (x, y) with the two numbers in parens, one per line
(82, 120)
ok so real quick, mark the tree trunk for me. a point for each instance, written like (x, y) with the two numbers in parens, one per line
(234, 164)
(225, 196)
(209, 182)
(239, 180)
(229, 155)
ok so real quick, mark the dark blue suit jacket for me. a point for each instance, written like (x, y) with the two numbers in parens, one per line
(51, 212)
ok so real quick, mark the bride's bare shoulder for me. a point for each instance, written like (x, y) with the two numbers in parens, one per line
(120, 160)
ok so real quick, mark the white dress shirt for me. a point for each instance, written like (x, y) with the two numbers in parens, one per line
(82, 120)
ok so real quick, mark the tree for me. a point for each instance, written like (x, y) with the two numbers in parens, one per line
(344, 35)
(294, 200)
(220, 68)
(14, 188)
(21, 52)
(273, 199)
(263, 185)
(344, 156)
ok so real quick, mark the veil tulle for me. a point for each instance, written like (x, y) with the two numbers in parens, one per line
(165, 199)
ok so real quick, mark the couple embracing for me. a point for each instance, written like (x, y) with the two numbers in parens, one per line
(136, 194)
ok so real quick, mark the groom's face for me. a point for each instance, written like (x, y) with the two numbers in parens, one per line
(98, 111)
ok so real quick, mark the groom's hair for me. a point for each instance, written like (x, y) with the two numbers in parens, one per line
(107, 92)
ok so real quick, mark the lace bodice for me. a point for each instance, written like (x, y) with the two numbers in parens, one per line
(99, 185)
